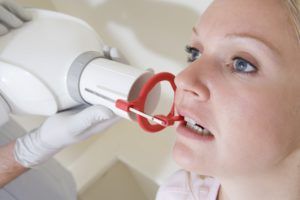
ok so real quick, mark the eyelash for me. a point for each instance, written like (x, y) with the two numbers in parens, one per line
(192, 52)
(232, 67)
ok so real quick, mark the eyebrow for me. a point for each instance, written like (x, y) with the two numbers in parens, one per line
(194, 30)
(250, 36)
(247, 35)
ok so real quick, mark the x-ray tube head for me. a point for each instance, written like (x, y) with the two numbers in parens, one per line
(104, 81)
(56, 62)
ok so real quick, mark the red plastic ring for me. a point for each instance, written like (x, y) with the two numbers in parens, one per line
(151, 83)
(139, 104)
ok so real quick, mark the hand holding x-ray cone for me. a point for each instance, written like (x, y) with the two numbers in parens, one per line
(98, 75)
(64, 128)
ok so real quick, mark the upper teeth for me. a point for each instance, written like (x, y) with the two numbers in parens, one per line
(193, 125)
(189, 120)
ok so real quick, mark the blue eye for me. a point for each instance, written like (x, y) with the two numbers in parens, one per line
(193, 53)
(242, 66)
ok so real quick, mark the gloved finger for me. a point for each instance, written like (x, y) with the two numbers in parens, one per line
(99, 127)
(118, 56)
(73, 110)
(91, 115)
(114, 54)
(9, 19)
(18, 10)
(3, 30)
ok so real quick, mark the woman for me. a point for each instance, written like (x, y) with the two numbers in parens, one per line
(240, 96)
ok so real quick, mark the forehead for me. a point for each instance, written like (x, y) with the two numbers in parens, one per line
(265, 19)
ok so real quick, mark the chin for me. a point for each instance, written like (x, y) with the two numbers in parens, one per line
(187, 160)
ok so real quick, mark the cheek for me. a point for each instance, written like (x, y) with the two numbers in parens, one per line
(255, 132)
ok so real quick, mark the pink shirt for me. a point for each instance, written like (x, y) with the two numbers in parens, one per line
(181, 183)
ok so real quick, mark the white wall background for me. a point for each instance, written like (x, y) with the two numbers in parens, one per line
(150, 33)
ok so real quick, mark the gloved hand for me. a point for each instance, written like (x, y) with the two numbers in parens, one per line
(59, 131)
(114, 54)
(12, 15)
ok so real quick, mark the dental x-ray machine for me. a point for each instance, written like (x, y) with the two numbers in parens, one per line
(56, 62)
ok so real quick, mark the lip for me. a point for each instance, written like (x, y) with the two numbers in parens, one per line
(188, 133)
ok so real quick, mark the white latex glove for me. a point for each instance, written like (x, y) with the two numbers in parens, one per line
(114, 54)
(12, 15)
(59, 131)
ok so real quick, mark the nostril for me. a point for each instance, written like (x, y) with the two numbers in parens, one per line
(192, 92)
(191, 84)
(201, 94)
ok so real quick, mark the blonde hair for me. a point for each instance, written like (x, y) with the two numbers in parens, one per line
(294, 9)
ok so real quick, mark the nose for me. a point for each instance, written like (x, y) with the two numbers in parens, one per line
(192, 81)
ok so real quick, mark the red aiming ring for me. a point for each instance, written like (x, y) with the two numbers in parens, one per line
(139, 104)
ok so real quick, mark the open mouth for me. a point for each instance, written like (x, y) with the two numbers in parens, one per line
(197, 128)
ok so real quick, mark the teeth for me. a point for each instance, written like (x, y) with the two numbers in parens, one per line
(193, 125)
(189, 120)
(206, 132)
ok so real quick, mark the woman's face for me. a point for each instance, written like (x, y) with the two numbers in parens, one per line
(244, 87)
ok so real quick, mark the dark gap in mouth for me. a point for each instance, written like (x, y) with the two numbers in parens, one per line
(200, 126)
(196, 125)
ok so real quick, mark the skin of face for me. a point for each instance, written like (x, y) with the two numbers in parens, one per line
(254, 117)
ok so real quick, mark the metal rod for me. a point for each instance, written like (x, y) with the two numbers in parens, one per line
(149, 117)
(99, 95)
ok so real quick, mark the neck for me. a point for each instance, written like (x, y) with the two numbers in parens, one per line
(281, 182)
